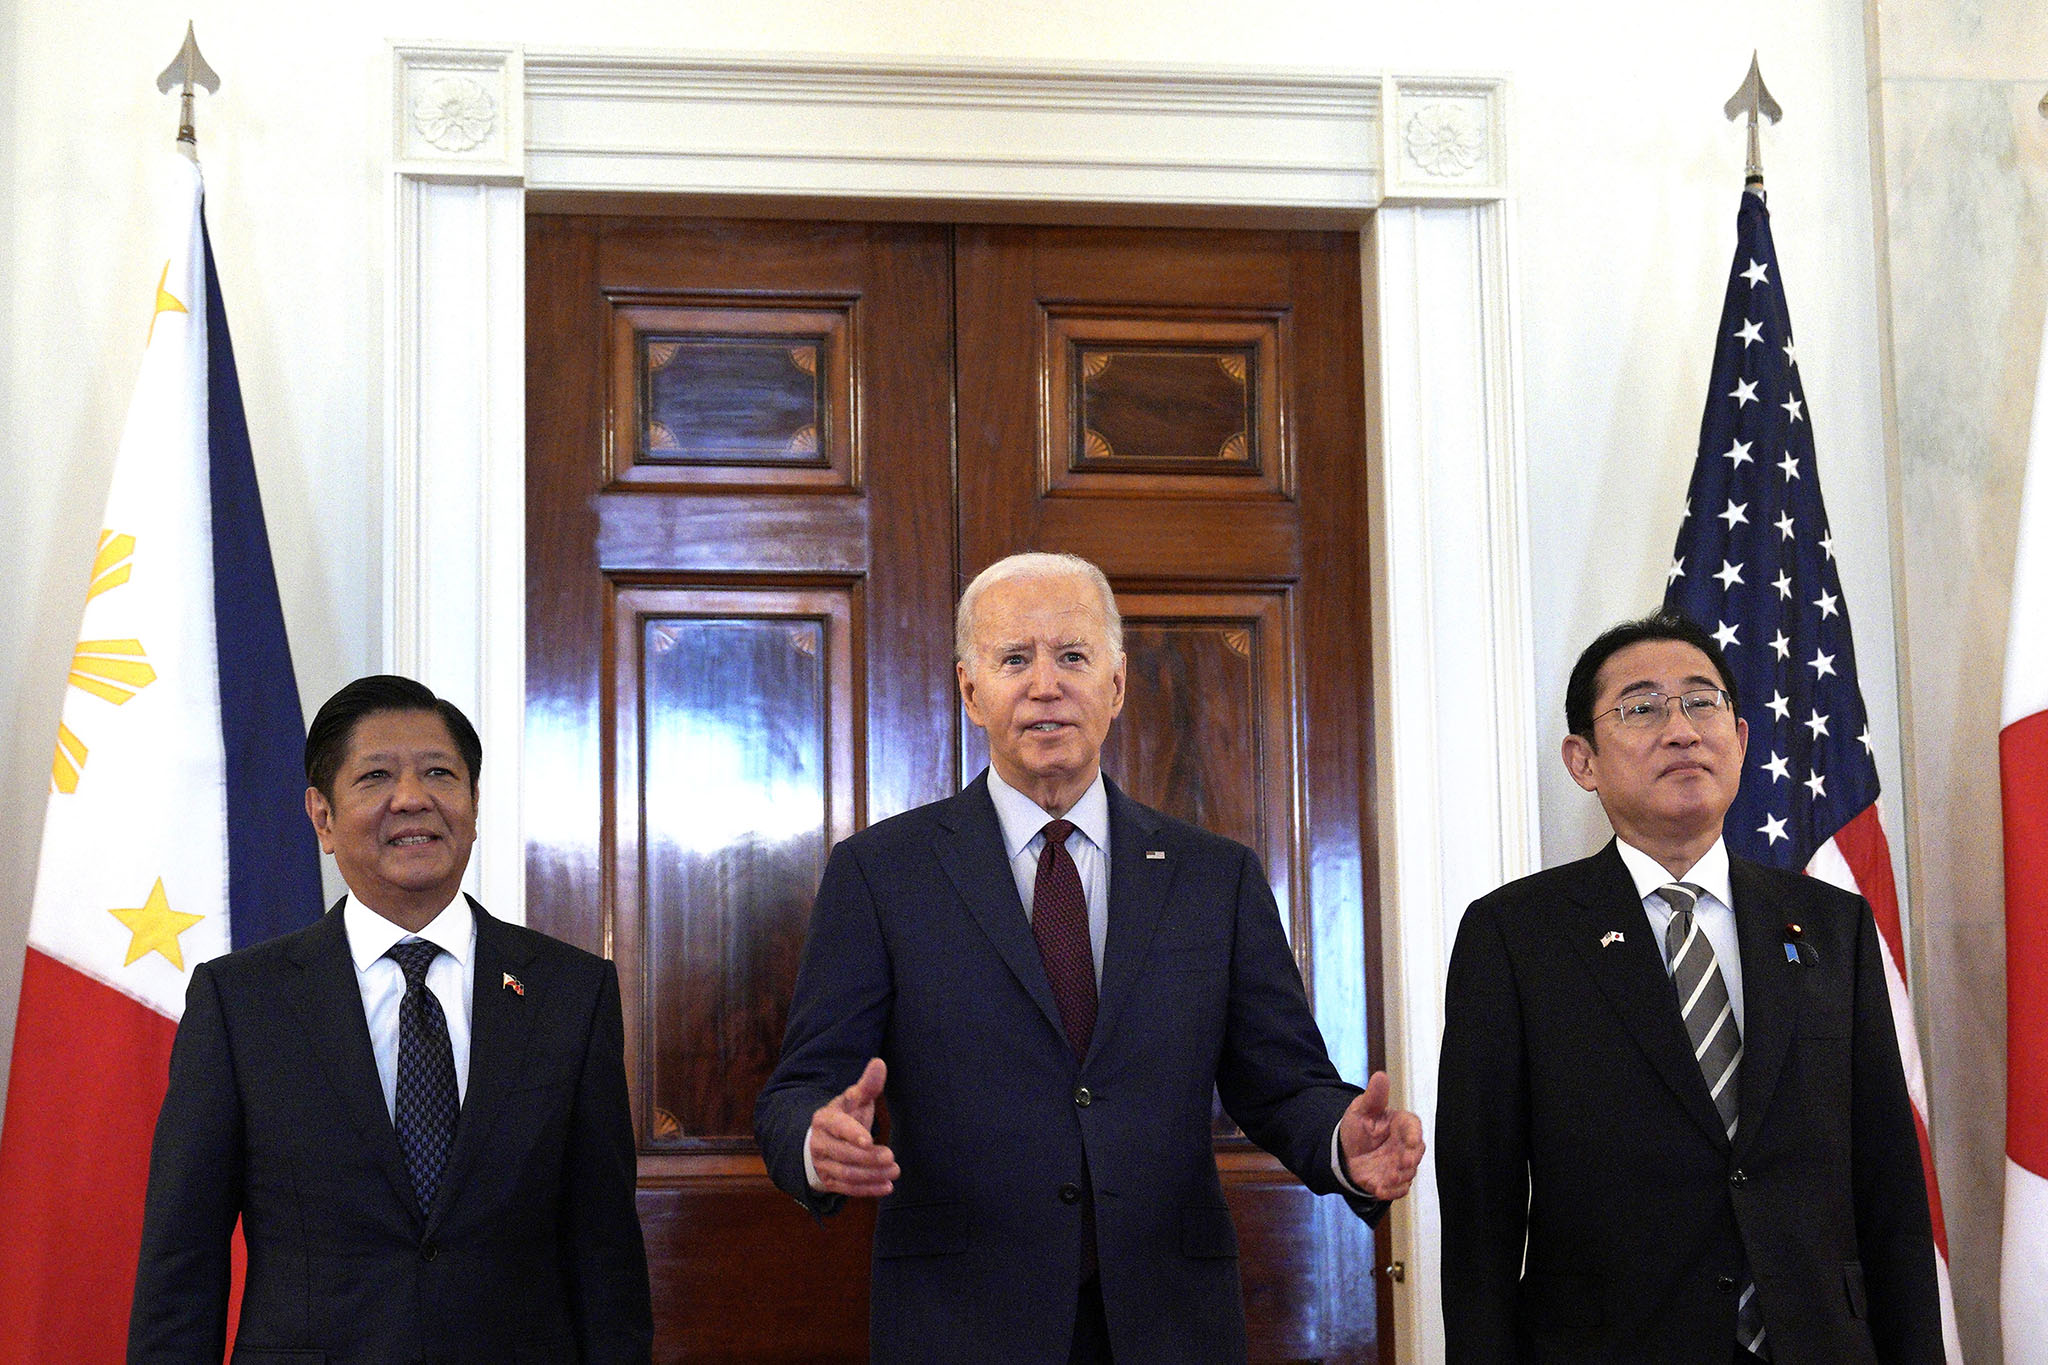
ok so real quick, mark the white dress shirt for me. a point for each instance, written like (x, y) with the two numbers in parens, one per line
(1715, 913)
(451, 977)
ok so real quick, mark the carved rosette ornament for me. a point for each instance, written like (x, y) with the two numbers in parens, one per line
(454, 113)
(1443, 140)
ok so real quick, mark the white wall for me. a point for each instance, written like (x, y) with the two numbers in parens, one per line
(1626, 183)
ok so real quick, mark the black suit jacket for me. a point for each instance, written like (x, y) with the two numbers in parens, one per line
(1572, 1115)
(920, 953)
(532, 1250)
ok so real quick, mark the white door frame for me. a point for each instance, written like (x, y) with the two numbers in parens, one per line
(1417, 163)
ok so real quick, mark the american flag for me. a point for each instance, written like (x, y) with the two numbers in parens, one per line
(1755, 564)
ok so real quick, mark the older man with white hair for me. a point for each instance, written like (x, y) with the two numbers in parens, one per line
(1047, 979)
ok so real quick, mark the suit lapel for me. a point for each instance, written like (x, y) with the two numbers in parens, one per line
(1770, 1000)
(1629, 971)
(969, 845)
(1137, 898)
(500, 1022)
(329, 1004)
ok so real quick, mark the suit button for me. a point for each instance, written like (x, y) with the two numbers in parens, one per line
(1725, 1283)
(1083, 1098)
(428, 1251)
(1738, 1177)
(1070, 1193)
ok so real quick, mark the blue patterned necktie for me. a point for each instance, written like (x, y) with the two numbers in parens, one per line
(427, 1100)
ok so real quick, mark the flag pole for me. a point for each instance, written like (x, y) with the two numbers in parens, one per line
(188, 69)
(1753, 99)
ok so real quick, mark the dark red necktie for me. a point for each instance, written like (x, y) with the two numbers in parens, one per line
(1059, 921)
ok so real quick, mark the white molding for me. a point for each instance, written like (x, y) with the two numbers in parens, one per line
(1422, 158)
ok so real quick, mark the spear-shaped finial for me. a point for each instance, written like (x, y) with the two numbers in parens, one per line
(188, 69)
(1753, 99)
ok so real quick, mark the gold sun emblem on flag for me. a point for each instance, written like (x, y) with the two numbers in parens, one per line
(112, 670)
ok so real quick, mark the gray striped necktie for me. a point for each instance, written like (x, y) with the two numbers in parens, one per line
(1717, 1047)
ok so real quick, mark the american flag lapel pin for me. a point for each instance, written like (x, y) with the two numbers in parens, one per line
(1155, 853)
(1610, 938)
(514, 985)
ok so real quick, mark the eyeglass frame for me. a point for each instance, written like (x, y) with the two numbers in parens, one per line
(1723, 704)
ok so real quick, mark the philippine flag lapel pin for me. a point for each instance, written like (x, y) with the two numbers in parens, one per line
(515, 985)
(1611, 937)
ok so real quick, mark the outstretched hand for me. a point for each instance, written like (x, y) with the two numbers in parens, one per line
(843, 1149)
(1382, 1147)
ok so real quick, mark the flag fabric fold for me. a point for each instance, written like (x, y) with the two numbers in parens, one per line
(2023, 777)
(1755, 564)
(171, 833)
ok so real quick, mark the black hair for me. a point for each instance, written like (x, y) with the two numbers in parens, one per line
(328, 737)
(1658, 625)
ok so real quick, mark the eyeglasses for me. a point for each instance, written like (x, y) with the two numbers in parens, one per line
(1647, 710)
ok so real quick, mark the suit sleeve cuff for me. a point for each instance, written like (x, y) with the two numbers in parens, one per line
(1336, 1164)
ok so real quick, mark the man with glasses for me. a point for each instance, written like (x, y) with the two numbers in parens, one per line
(1672, 1124)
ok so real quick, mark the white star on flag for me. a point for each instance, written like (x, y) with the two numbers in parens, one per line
(1782, 645)
(1757, 274)
(1751, 331)
(1791, 406)
(1735, 513)
(1772, 828)
(1745, 392)
(1826, 602)
(1818, 785)
(1821, 664)
(1784, 525)
(1730, 575)
(1783, 583)
(1790, 464)
(1781, 706)
(1817, 723)
(1675, 572)
(1724, 635)
(1777, 768)
(1738, 453)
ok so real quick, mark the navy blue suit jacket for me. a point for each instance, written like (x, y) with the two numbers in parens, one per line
(1594, 1209)
(920, 953)
(532, 1250)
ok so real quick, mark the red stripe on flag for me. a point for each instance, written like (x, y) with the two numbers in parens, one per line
(1869, 856)
(89, 1071)
(1933, 1191)
(2023, 767)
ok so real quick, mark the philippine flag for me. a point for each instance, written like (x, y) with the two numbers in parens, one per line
(175, 827)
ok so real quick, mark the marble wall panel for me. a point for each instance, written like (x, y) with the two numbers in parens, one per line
(1966, 190)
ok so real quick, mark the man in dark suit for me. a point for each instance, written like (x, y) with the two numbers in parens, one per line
(1048, 979)
(418, 1112)
(1672, 1125)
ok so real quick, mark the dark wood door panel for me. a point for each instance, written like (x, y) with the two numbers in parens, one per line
(763, 458)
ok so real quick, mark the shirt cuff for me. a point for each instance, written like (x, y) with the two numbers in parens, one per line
(1336, 1162)
(810, 1170)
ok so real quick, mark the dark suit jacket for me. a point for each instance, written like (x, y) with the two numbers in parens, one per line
(920, 953)
(1570, 1110)
(532, 1250)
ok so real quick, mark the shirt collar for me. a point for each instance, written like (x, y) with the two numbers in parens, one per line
(1022, 819)
(370, 935)
(1709, 874)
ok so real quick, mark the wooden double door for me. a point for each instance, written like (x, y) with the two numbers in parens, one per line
(763, 458)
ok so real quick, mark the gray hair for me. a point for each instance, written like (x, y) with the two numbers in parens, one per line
(1034, 564)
